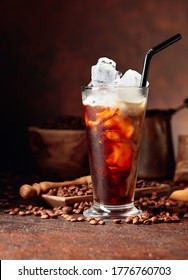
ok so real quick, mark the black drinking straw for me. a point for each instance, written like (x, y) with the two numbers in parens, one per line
(153, 51)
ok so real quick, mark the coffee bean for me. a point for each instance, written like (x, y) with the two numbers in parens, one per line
(73, 187)
(80, 193)
(144, 203)
(69, 217)
(167, 219)
(53, 215)
(145, 216)
(175, 218)
(154, 220)
(81, 218)
(44, 216)
(67, 209)
(135, 220)
(77, 211)
(13, 213)
(93, 222)
(101, 222)
(129, 220)
(147, 222)
(35, 208)
(76, 205)
(73, 219)
(117, 221)
(21, 213)
(168, 203)
(29, 207)
(64, 216)
(17, 209)
(36, 213)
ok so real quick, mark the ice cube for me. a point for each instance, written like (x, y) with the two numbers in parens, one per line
(107, 61)
(104, 72)
(131, 78)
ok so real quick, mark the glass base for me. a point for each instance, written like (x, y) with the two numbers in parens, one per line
(111, 212)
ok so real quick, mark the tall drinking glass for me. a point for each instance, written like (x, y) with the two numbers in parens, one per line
(114, 118)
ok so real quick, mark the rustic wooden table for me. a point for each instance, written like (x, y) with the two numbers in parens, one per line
(31, 237)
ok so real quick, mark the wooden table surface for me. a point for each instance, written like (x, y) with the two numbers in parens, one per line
(31, 237)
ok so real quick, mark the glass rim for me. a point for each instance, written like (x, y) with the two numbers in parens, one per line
(114, 87)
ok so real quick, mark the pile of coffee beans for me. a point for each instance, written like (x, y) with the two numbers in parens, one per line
(86, 189)
(156, 208)
(144, 183)
(73, 190)
(148, 218)
(45, 213)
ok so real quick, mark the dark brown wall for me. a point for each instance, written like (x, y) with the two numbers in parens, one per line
(47, 48)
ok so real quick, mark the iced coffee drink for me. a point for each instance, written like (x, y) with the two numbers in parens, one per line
(114, 115)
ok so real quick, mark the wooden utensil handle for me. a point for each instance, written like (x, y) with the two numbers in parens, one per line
(27, 191)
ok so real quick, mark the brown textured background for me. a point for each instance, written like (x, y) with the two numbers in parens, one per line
(47, 48)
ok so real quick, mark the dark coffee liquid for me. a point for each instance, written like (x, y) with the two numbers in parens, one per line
(113, 142)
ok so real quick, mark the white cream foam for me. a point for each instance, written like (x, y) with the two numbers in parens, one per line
(128, 100)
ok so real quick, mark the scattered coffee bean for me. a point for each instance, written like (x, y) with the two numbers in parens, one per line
(76, 205)
(21, 213)
(128, 220)
(147, 222)
(69, 217)
(13, 212)
(93, 222)
(77, 211)
(53, 215)
(17, 209)
(117, 221)
(101, 222)
(167, 219)
(64, 216)
(175, 218)
(154, 220)
(35, 213)
(73, 219)
(81, 218)
(135, 220)
(67, 209)
(44, 216)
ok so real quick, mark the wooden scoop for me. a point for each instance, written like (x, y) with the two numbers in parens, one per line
(40, 189)
(28, 191)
